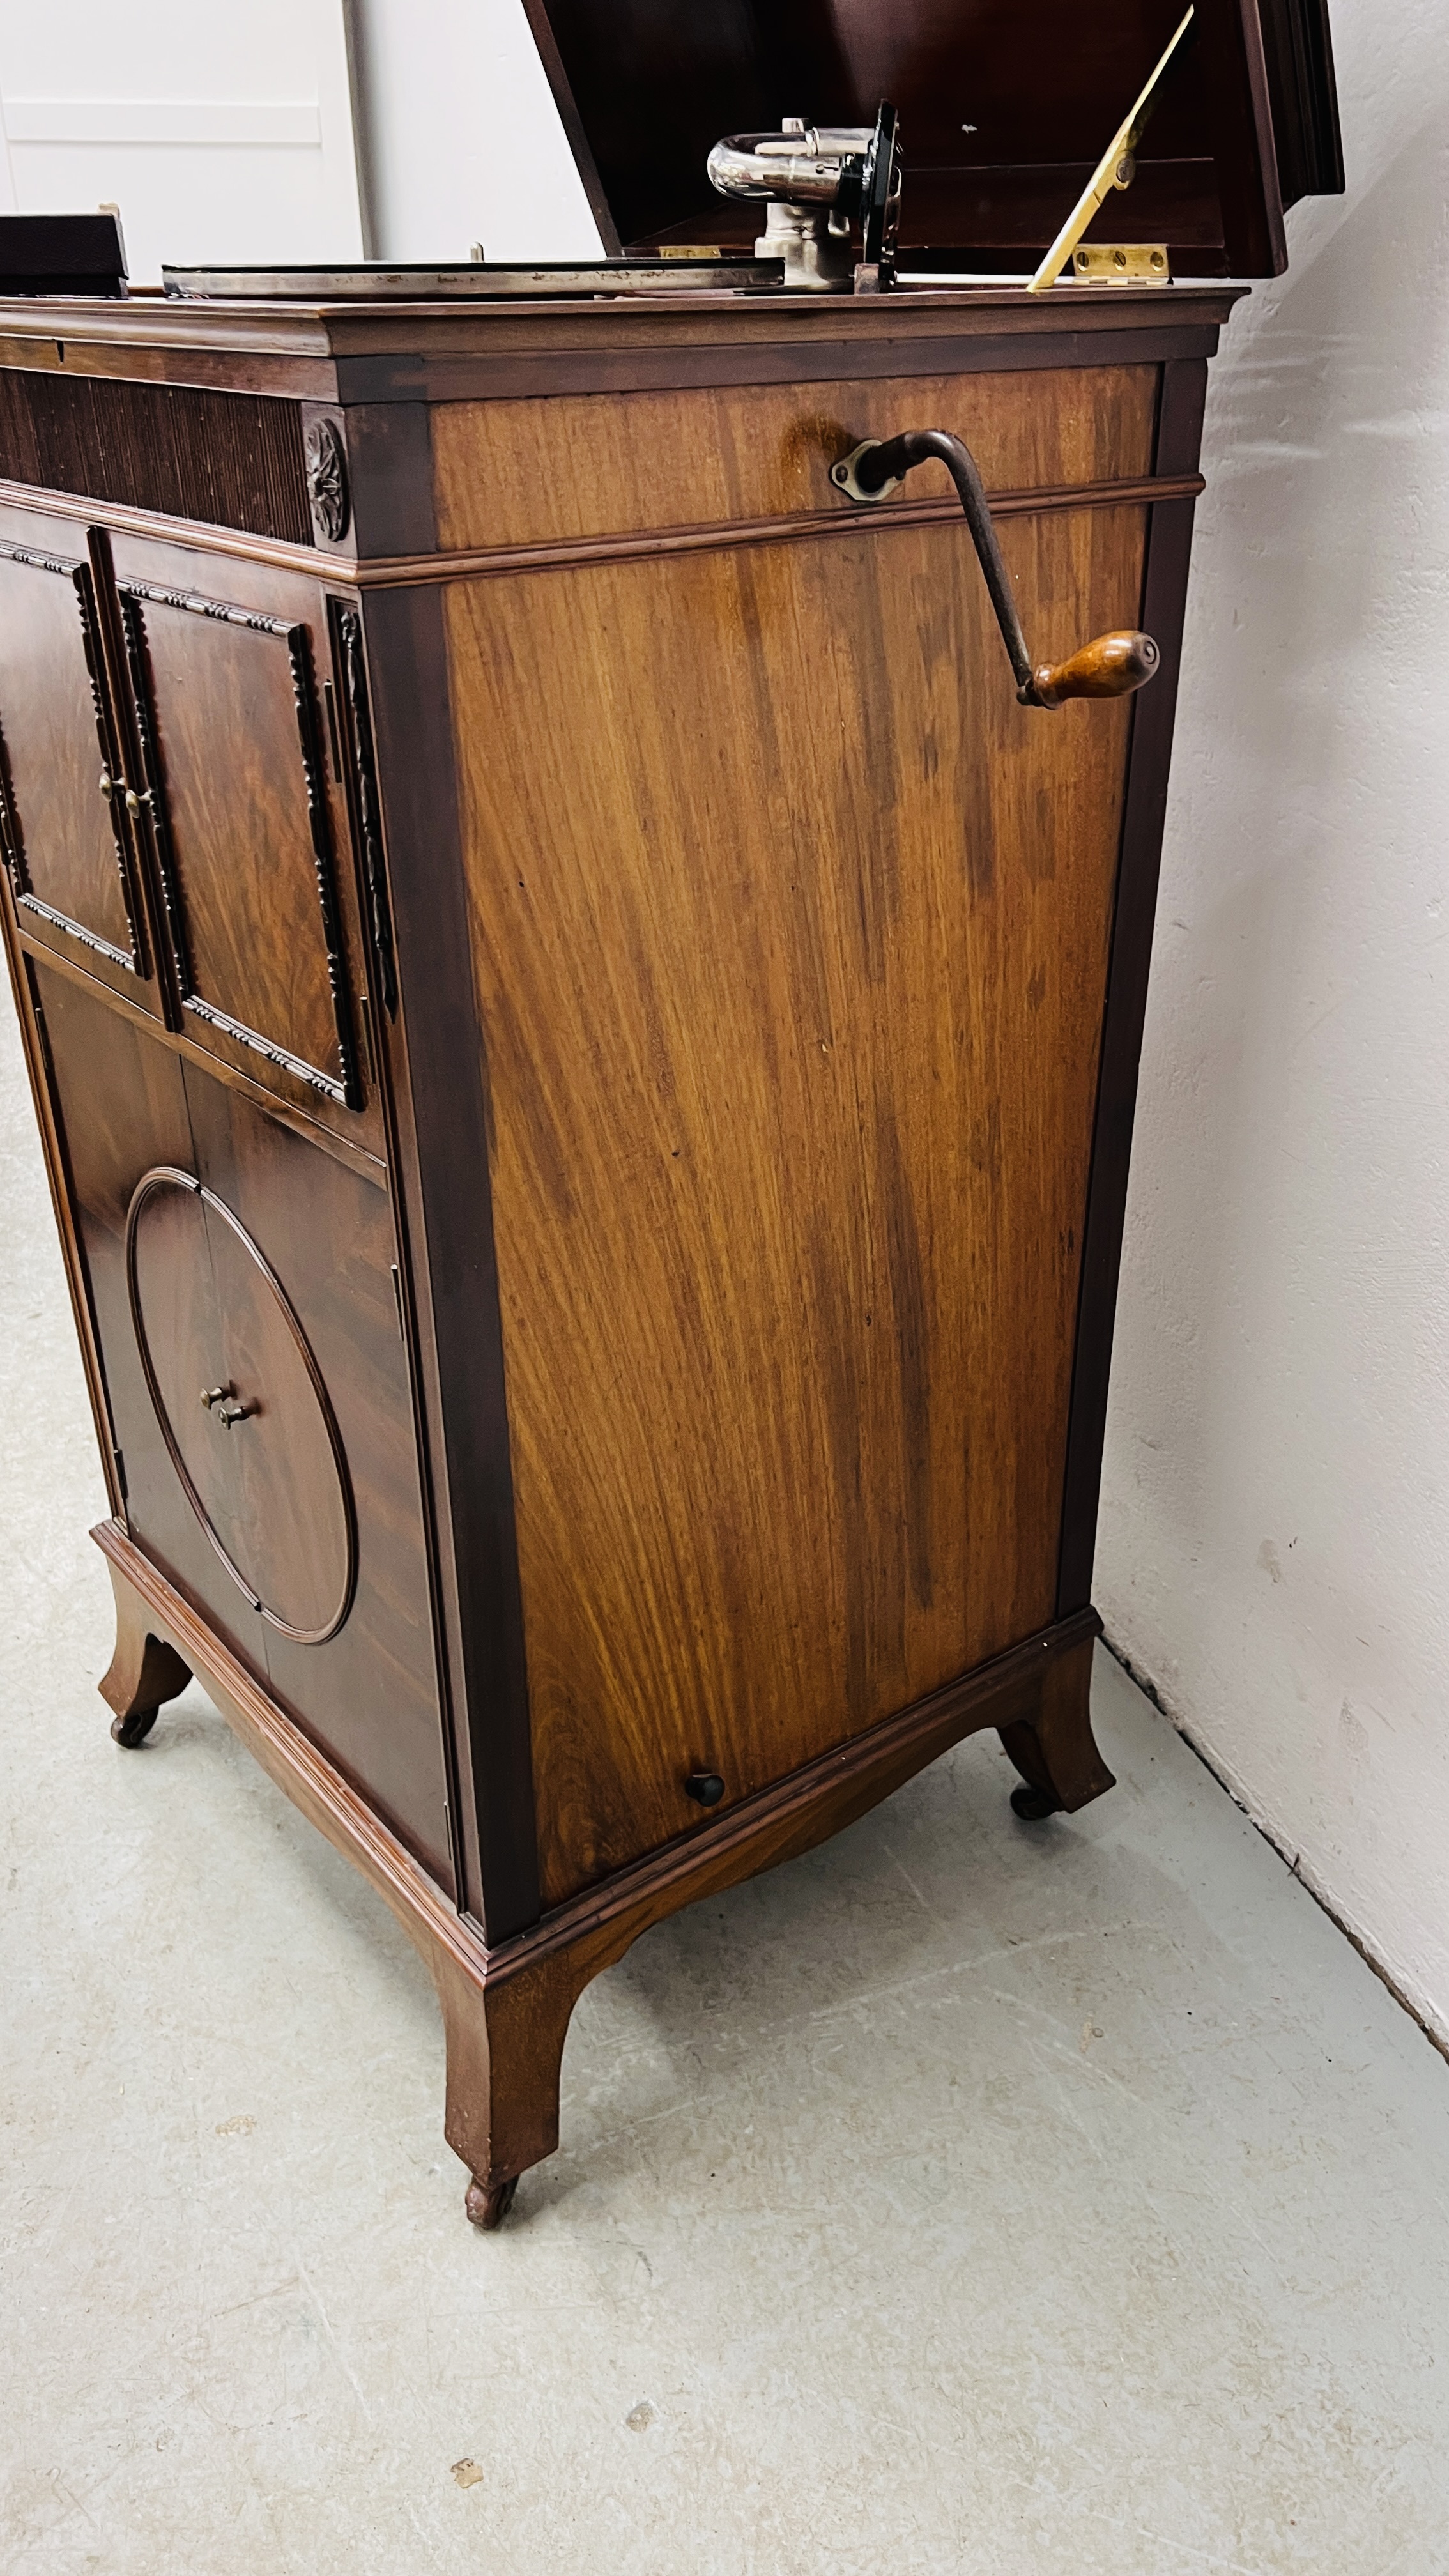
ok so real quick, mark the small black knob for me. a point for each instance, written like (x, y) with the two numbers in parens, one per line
(705, 1787)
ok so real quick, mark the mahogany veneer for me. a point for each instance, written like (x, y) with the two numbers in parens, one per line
(586, 1046)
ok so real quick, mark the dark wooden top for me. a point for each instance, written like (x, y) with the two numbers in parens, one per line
(438, 352)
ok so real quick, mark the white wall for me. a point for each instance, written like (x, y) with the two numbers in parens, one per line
(1275, 1536)
(228, 133)
(221, 133)
(460, 138)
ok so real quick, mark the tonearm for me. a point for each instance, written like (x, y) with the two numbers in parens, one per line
(819, 183)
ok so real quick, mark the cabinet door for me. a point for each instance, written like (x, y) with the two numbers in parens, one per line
(248, 827)
(63, 818)
(242, 1286)
(120, 1102)
(241, 1404)
(330, 1517)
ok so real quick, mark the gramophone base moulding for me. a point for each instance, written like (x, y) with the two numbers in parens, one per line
(506, 2011)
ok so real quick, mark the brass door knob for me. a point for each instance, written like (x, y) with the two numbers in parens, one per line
(220, 1402)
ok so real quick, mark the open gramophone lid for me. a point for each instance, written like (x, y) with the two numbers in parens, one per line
(1005, 111)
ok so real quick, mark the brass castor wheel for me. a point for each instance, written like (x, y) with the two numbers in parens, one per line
(1032, 1804)
(486, 2208)
(133, 1730)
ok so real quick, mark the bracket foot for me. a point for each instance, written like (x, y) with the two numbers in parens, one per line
(488, 2206)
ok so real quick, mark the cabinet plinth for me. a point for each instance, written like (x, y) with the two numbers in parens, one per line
(586, 1045)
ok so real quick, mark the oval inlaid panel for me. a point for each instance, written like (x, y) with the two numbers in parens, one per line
(242, 1405)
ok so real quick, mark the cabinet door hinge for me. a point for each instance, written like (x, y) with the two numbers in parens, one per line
(119, 1456)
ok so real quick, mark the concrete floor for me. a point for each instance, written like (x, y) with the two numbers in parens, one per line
(966, 2196)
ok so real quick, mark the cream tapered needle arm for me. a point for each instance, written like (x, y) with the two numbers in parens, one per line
(1109, 174)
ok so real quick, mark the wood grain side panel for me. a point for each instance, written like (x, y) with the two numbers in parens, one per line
(522, 473)
(789, 930)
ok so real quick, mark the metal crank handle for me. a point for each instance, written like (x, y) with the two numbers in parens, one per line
(1110, 667)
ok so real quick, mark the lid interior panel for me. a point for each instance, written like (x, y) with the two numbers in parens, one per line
(1004, 110)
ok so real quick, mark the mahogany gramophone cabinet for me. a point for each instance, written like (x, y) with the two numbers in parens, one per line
(584, 1011)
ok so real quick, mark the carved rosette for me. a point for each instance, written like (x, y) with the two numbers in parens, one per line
(327, 481)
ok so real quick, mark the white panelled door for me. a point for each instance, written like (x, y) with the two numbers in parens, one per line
(223, 132)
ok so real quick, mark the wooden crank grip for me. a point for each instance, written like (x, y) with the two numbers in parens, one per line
(1111, 666)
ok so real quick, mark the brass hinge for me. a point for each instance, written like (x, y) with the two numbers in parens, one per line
(1121, 264)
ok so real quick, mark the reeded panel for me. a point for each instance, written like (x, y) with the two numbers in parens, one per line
(790, 936)
(234, 459)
